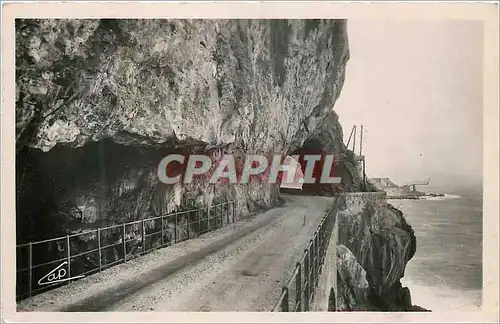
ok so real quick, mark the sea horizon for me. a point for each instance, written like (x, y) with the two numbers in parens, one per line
(446, 271)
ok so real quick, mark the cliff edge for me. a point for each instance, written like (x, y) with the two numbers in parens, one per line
(374, 245)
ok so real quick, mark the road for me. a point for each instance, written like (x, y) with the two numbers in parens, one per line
(240, 267)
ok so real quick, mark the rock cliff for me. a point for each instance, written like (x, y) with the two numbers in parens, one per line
(375, 244)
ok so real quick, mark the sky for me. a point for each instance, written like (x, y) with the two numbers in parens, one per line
(416, 86)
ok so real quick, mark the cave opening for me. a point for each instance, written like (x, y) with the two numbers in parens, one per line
(67, 188)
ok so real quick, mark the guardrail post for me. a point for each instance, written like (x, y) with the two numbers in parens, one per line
(316, 259)
(321, 237)
(175, 228)
(219, 215)
(298, 287)
(124, 243)
(162, 232)
(222, 209)
(208, 219)
(216, 215)
(187, 223)
(30, 263)
(198, 214)
(306, 279)
(68, 248)
(99, 248)
(227, 211)
(312, 262)
(316, 268)
(284, 303)
(234, 209)
(143, 238)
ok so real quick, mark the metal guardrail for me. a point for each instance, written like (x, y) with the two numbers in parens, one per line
(182, 226)
(298, 293)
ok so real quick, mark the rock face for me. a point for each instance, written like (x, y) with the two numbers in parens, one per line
(260, 84)
(100, 102)
(375, 244)
(353, 289)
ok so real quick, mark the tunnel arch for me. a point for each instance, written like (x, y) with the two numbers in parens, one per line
(344, 166)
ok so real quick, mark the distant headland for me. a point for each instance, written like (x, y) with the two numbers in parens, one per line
(407, 191)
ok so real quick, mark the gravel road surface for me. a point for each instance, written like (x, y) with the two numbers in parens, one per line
(240, 267)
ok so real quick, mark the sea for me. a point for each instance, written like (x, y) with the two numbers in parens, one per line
(445, 273)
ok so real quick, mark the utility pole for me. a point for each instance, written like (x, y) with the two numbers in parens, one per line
(354, 141)
(361, 142)
(359, 157)
(361, 153)
(350, 136)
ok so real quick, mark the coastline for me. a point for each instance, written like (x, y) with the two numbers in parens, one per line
(445, 273)
(426, 196)
(442, 299)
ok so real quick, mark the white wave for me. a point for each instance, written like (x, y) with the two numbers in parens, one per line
(445, 197)
(433, 198)
(442, 298)
(448, 196)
